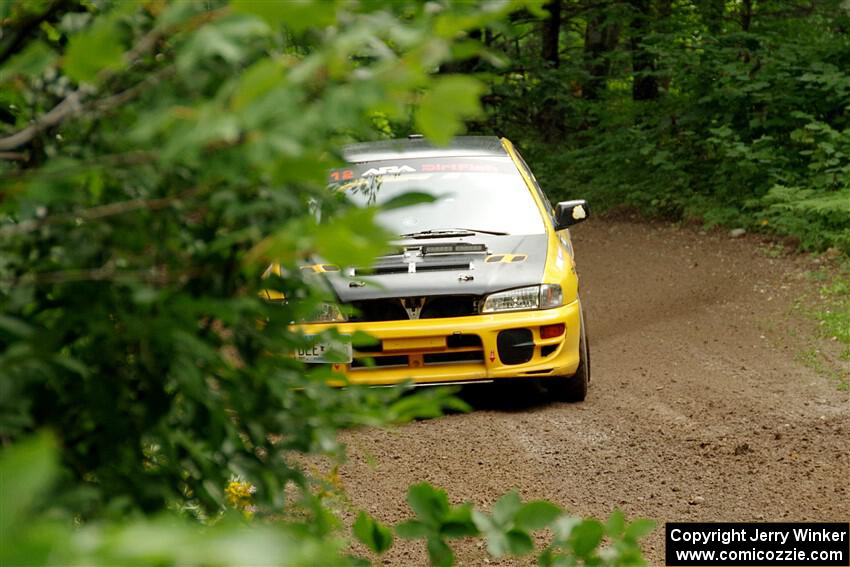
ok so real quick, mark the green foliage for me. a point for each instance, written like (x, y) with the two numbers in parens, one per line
(459, 92)
(436, 520)
(30, 468)
(750, 127)
(30, 62)
(138, 222)
(833, 316)
(836, 318)
(371, 533)
(29, 538)
(507, 527)
(298, 15)
(96, 50)
(135, 234)
(26, 471)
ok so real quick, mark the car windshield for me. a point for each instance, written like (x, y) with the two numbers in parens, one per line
(483, 194)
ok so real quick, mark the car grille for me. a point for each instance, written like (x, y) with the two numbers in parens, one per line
(459, 348)
(434, 307)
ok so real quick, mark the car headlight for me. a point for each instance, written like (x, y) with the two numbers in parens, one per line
(544, 296)
(327, 313)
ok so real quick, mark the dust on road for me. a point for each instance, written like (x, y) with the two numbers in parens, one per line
(699, 409)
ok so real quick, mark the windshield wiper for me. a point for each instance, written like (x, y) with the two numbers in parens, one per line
(450, 232)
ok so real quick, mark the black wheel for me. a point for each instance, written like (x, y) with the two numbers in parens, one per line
(574, 388)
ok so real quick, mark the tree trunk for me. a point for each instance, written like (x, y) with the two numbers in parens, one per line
(665, 10)
(645, 83)
(551, 34)
(711, 12)
(600, 37)
(746, 15)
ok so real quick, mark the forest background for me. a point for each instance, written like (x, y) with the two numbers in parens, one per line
(728, 113)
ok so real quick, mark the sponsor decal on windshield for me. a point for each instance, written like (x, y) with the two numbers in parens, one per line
(377, 169)
(388, 170)
(461, 166)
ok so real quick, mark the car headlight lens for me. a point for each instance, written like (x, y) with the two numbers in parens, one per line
(551, 296)
(327, 313)
(544, 296)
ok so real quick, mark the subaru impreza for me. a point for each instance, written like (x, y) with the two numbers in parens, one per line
(481, 284)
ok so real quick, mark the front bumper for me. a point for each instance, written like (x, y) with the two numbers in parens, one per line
(460, 349)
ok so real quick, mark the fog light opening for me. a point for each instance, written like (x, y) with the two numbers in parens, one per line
(552, 331)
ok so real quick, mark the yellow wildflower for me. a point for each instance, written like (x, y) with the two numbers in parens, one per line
(239, 495)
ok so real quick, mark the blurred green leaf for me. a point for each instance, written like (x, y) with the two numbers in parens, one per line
(506, 508)
(15, 326)
(256, 81)
(638, 528)
(458, 523)
(443, 108)
(563, 528)
(412, 529)
(536, 515)
(27, 470)
(586, 537)
(430, 402)
(616, 524)
(507, 528)
(228, 39)
(372, 534)
(429, 503)
(32, 61)
(352, 239)
(408, 199)
(94, 50)
(519, 542)
(439, 553)
(297, 15)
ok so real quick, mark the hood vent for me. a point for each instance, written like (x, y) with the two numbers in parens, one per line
(401, 267)
(440, 249)
(425, 258)
(453, 248)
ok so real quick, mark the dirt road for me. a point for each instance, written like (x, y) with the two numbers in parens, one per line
(699, 408)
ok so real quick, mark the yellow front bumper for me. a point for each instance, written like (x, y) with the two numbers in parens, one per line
(430, 351)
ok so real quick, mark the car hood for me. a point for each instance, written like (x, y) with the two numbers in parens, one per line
(471, 265)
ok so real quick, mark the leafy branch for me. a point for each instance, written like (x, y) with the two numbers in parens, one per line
(72, 104)
(509, 530)
(96, 213)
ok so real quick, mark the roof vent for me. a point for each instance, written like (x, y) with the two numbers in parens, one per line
(415, 136)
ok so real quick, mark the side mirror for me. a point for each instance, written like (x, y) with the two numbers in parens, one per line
(568, 213)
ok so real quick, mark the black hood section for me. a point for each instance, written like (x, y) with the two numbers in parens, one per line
(469, 265)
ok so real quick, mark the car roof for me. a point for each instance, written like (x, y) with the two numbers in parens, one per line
(413, 148)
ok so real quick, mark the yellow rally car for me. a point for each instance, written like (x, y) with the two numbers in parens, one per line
(483, 284)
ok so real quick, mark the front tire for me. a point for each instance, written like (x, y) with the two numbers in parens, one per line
(574, 388)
